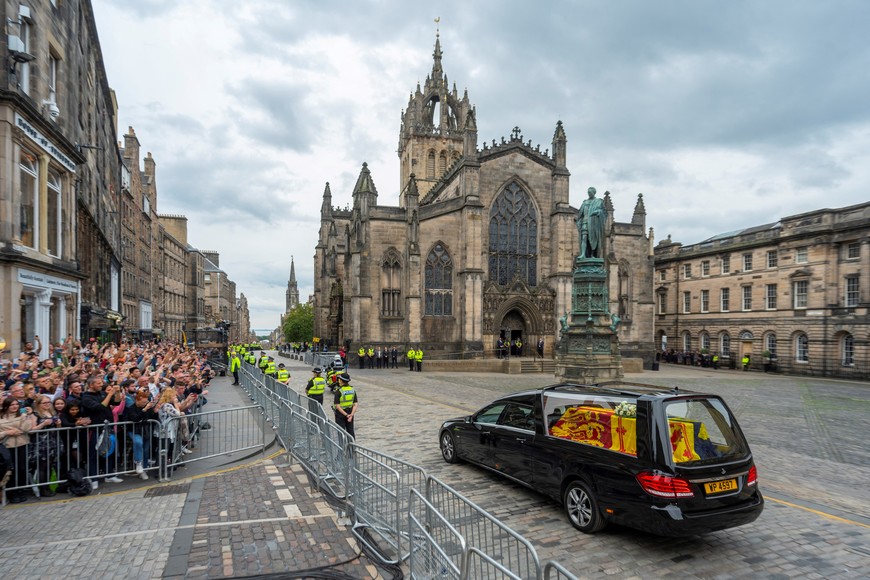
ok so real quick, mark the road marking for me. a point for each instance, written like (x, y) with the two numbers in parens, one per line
(818, 512)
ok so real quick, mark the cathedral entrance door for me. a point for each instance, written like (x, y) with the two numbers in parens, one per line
(514, 327)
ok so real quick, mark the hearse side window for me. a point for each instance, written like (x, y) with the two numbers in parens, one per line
(519, 416)
(702, 430)
(604, 421)
(490, 414)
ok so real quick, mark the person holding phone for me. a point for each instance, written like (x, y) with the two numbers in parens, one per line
(46, 447)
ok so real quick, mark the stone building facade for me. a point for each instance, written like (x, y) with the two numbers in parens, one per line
(481, 245)
(171, 296)
(797, 290)
(59, 240)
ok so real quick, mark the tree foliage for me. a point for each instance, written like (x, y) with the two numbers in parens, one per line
(299, 323)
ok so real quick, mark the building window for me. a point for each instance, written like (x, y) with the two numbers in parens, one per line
(430, 165)
(439, 282)
(687, 302)
(391, 293)
(747, 262)
(801, 255)
(770, 297)
(442, 163)
(704, 340)
(54, 225)
(800, 293)
(705, 301)
(847, 348)
(770, 344)
(725, 345)
(724, 300)
(801, 348)
(852, 291)
(687, 270)
(662, 275)
(513, 237)
(28, 225)
(52, 78)
(687, 342)
(853, 250)
(705, 268)
(747, 298)
(726, 264)
(663, 302)
(772, 258)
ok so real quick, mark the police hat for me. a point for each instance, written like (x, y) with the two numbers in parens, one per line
(344, 377)
(317, 370)
(281, 365)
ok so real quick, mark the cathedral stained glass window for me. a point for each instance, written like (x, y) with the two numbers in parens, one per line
(513, 237)
(439, 282)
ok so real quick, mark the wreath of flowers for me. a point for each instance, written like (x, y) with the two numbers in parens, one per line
(626, 409)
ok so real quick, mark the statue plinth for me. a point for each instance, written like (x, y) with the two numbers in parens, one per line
(588, 349)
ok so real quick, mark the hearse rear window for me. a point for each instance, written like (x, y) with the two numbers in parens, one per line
(701, 431)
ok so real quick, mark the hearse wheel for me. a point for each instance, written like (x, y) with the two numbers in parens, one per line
(448, 447)
(581, 507)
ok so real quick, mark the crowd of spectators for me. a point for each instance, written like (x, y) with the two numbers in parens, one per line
(97, 407)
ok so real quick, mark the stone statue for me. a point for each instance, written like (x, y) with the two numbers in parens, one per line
(563, 323)
(614, 322)
(590, 223)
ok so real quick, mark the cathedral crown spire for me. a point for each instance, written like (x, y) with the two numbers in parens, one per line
(436, 55)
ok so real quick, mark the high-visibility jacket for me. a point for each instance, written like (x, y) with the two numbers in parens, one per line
(235, 363)
(418, 356)
(361, 352)
(282, 375)
(412, 354)
(271, 368)
(346, 397)
(263, 362)
(250, 358)
(317, 386)
(371, 352)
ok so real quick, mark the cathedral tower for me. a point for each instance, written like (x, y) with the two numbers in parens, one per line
(432, 134)
(292, 288)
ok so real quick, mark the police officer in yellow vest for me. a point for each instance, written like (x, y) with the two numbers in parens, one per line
(370, 358)
(264, 360)
(271, 369)
(316, 386)
(418, 358)
(411, 355)
(361, 353)
(345, 404)
(235, 365)
(282, 375)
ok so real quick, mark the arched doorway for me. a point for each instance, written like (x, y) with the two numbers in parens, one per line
(513, 328)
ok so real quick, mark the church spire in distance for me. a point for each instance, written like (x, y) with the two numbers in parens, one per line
(437, 71)
(292, 288)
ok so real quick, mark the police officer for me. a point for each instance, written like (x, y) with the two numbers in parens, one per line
(316, 385)
(270, 370)
(370, 357)
(235, 365)
(283, 375)
(411, 355)
(418, 357)
(361, 353)
(519, 344)
(499, 347)
(345, 403)
(263, 361)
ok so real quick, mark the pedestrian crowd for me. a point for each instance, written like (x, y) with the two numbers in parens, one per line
(94, 412)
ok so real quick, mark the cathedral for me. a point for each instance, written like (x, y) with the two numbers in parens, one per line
(481, 245)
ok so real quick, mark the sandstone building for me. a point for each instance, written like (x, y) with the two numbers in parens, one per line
(481, 245)
(797, 290)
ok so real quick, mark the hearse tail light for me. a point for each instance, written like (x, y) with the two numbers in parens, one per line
(752, 478)
(664, 485)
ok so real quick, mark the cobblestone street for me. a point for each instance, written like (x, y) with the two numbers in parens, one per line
(264, 517)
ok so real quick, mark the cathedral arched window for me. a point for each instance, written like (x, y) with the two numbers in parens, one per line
(439, 282)
(513, 237)
(430, 165)
(391, 285)
(442, 163)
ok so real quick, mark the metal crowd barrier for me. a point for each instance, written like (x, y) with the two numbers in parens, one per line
(396, 509)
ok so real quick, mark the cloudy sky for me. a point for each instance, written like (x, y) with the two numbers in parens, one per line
(723, 114)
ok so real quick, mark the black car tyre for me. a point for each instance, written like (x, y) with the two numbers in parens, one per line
(448, 447)
(581, 507)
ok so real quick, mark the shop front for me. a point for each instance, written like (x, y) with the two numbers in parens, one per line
(48, 305)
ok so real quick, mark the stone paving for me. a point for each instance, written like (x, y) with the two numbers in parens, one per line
(263, 517)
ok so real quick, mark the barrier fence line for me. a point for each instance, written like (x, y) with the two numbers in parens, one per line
(437, 549)
(416, 518)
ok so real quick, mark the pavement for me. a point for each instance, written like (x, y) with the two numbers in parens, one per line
(259, 515)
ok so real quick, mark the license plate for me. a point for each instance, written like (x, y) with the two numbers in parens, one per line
(720, 486)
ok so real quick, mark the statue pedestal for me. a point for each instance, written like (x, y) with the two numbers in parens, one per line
(588, 350)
